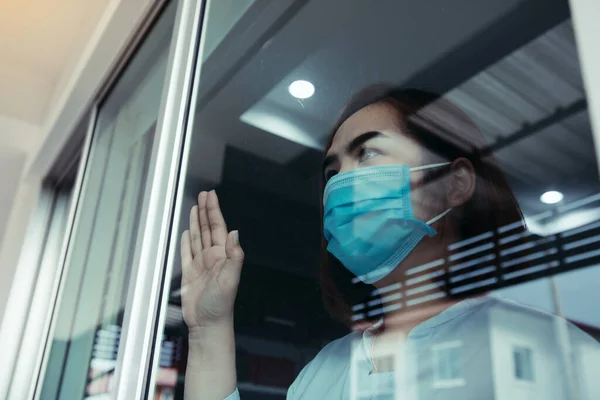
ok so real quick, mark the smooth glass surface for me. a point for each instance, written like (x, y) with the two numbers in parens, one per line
(499, 96)
(89, 316)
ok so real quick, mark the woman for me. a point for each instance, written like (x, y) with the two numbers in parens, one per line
(404, 182)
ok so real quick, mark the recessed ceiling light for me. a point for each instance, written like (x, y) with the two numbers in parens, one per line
(551, 197)
(301, 89)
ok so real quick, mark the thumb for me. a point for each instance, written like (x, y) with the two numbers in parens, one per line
(233, 250)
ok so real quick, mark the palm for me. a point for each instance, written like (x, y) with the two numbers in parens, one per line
(211, 261)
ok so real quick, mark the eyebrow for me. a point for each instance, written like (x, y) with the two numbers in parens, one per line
(352, 146)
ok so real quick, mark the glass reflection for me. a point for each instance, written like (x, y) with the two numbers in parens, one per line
(387, 241)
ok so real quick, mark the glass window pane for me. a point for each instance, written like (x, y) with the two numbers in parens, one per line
(523, 363)
(454, 364)
(446, 362)
(398, 174)
(83, 350)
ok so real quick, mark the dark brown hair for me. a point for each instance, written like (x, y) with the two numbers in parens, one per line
(442, 127)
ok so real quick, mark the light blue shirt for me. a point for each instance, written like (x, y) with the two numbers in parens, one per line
(483, 348)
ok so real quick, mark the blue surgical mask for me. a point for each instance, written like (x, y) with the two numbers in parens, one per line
(368, 219)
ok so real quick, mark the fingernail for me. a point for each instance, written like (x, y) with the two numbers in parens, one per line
(235, 237)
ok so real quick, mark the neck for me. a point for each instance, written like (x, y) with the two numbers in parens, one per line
(404, 321)
(407, 274)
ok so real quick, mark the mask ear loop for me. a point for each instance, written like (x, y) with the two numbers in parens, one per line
(422, 167)
(435, 219)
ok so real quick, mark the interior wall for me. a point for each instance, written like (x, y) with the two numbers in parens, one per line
(13, 204)
(12, 161)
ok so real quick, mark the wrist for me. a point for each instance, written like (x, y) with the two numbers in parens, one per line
(210, 335)
(211, 371)
(211, 347)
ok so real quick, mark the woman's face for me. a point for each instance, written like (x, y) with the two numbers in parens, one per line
(373, 136)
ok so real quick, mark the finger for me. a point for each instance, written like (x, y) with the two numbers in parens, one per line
(186, 251)
(204, 225)
(188, 273)
(218, 228)
(233, 250)
(194, 233)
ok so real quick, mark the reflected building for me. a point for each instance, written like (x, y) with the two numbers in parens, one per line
(491, 349)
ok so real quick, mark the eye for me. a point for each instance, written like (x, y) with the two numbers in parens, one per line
(365, 153)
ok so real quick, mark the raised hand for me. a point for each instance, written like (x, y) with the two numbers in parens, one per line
(212, 261)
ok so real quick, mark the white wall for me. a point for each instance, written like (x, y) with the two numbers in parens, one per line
(12, 213)
(516, 328)
(588, 359)
(11, 165)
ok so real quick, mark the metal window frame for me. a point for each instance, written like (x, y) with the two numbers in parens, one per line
(135, 373)
(145, 278)
(162, 309)
(34, 336)
(73, 147)
(147, 23)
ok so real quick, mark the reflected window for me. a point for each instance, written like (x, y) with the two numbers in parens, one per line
(523, 365)
(446, 364)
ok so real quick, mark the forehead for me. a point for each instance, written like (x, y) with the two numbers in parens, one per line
(378, 117)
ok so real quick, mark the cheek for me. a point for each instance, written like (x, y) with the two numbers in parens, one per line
(427, 201)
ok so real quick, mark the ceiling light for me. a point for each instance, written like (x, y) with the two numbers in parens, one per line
(551, 197)
(301, 89)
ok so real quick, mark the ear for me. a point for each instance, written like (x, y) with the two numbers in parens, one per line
(461, 182)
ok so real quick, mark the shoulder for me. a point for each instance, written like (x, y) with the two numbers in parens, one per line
(331, 360)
